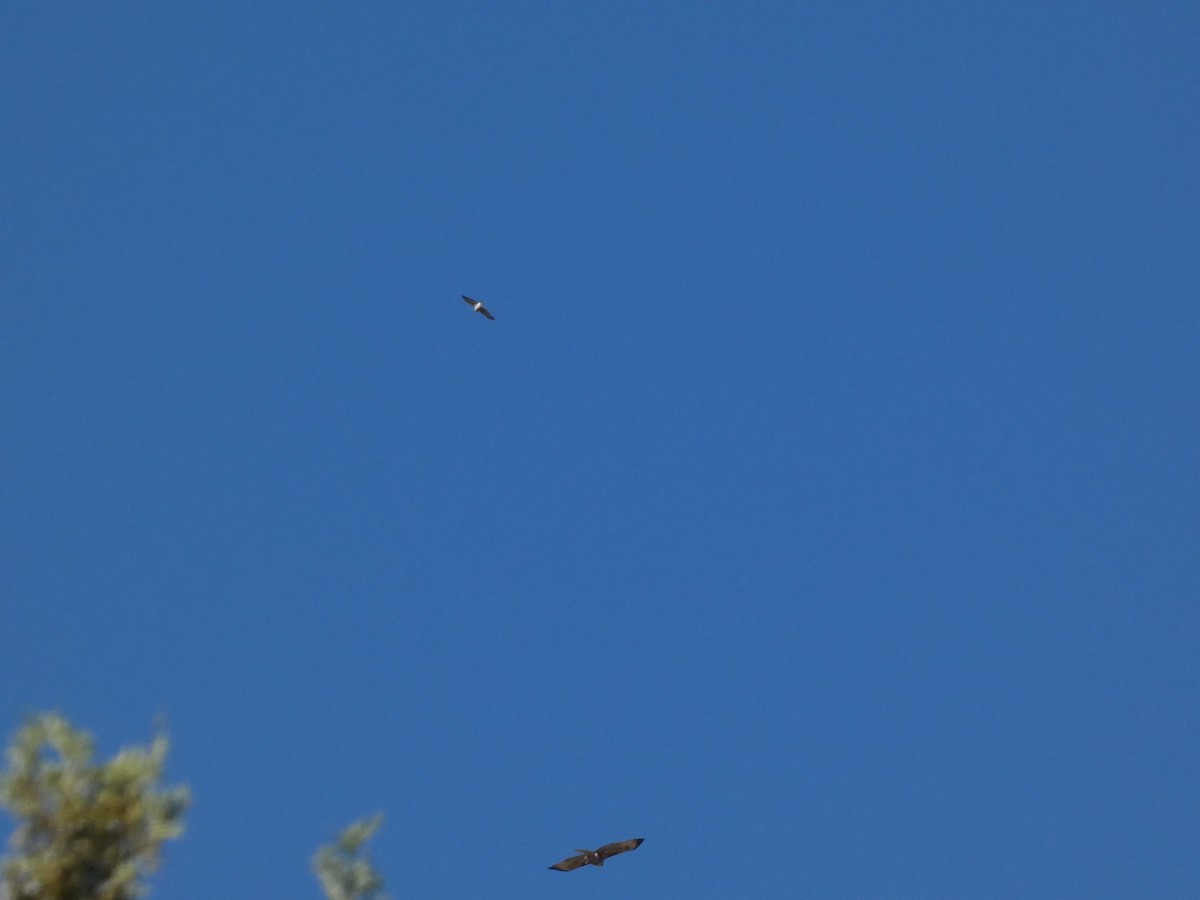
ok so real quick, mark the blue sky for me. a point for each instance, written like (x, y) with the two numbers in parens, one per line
(821, 505)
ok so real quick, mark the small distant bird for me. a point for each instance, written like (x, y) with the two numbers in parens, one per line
(479, 307)
(596, 857)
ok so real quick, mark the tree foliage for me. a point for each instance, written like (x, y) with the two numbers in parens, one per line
(85, 830)
(343, 868)
(94, 831)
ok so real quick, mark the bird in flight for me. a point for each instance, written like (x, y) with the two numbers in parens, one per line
(596, 857)
(478, 306)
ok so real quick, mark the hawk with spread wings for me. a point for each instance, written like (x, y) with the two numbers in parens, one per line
(596, 857)
(478, 306)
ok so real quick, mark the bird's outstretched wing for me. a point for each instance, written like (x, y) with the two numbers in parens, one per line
(571, 862)
(483, 309)
(619, 847)
(469, 300)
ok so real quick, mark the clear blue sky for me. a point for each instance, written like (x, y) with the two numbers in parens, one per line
(821, 506)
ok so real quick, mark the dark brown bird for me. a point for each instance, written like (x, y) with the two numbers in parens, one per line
(596, 857)
(479, 307)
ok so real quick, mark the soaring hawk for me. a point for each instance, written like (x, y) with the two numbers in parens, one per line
(478, 306)
(596, 857)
